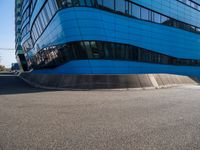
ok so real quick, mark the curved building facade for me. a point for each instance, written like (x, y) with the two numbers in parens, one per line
(19, 52)
(111, 36)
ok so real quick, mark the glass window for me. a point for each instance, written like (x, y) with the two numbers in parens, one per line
(127, 7)
(108, 50)
(100, 2)
(88, 2)
(193, 29)
(164, 19)
(195, 6)
(53, 6)
(130, 9)
(80, 51)
(186, 27)
(59, 3)
(49, 13)
(82, 2)
(41, 22)
(136, 11)
(198, 30)
(94, 2)
(47, 17)
(109, 3)
(118, 50)
(192, 4)
(76, 3)
(188, 2)
(95, 50)
(101, 50)
(87, 48)
(150, 15)
(144, 14)
(156, 17)
(120, 5)
(66, 3)
(36, 32)
(38, 27)
(198, 7)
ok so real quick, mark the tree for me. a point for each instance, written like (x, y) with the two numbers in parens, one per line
(2, 68)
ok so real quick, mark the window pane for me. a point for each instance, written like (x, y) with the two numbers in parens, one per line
(164, 19)
(144, 14)
(136, 11)
(82, 2)
(188, 2)
(109, 3)
(100, 2)
(75, 2)
(120, 5)
(88, 3)
(156, 17)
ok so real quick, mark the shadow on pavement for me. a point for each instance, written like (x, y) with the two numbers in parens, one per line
(11, 84)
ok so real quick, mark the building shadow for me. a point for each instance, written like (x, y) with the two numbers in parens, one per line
(11, 84)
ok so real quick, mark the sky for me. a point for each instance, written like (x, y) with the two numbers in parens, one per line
(7, 32)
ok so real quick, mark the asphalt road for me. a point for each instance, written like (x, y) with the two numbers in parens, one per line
(34, 119)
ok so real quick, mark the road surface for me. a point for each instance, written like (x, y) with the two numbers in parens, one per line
(165, 119)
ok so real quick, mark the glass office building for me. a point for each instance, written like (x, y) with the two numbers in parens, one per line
(19, 52)
(111, 36)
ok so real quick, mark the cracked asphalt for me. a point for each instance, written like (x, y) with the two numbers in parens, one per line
(35, 119)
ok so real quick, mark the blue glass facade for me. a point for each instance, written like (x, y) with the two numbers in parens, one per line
(112, 37)
(19, 52)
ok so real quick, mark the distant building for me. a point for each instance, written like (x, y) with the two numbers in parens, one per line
(111, 36)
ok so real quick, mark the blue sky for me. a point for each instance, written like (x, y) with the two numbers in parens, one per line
(7, 33)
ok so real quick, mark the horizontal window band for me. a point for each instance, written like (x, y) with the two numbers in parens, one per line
(54, 56)
(191, 4)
